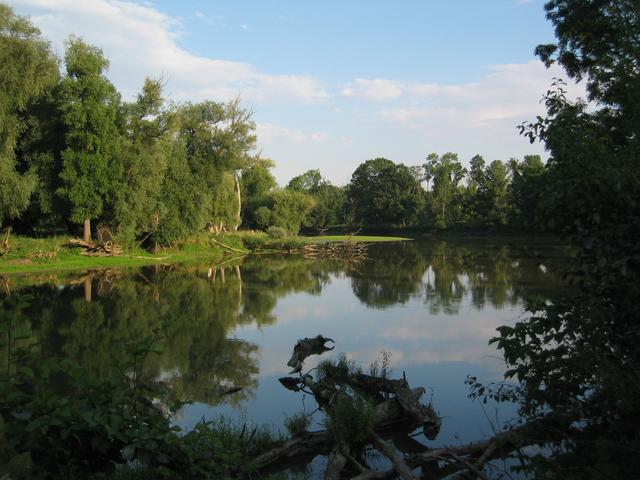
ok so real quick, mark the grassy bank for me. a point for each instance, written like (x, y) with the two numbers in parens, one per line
(31, 255)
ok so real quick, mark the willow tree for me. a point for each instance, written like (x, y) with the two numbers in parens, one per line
(89, 106)
(145, 156)
(218, 139)
(27, 69)
(256, 183)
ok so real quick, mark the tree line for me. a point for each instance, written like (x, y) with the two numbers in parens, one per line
(439, 194)
(74, 153)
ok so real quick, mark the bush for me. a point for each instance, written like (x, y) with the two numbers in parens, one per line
(298, 423)
(277, 232)
(60, 420)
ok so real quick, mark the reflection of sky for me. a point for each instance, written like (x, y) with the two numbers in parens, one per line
(435, 351)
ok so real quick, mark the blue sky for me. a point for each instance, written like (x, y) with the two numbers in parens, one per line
(332, 83)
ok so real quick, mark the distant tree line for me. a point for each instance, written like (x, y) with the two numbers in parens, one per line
(74, 154)
(439, 194)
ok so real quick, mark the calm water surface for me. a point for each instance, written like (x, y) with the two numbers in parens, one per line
(432, 305)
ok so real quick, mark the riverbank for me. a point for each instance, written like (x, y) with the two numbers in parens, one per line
(33, 255)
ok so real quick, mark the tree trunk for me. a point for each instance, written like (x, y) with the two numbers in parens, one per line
(238, 194)
(87, 230)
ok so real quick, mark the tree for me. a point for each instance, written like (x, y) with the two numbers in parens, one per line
(329, 208)
(183, 203)
(89, 106)
(476, 173)
(286, 209)
(446, 172)
(28, 69)
(526, 191)
(310, 181)
(382, 192)
(218, 139)
(494, 193)
(139, 208)
(257, 182)
(577, 358)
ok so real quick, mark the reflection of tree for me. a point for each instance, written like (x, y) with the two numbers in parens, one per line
(390, 276)
(269, 278)
(445, 273)
(189, 314)
(191, 310)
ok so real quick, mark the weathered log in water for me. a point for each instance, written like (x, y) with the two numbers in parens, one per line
(306, 347)
(390, 419)
(397, 412)
(396, 407)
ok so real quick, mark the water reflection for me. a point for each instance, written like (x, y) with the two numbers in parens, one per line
(445, 273)
(201, 313)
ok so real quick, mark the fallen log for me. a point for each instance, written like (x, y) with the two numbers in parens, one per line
(397, 412)
(396, 408)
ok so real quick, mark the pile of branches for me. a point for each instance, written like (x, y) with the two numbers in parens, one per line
(350, 250)
(104, 245)
(372, 416)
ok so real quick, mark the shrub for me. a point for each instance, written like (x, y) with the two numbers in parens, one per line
(298, 423)
(277, 232)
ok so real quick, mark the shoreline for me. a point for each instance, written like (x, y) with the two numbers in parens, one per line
(47, 255)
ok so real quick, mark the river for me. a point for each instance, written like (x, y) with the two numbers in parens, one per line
(431, 306)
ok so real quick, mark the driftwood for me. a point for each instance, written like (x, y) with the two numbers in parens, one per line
(306, 347)
(398, 412)
(107, 248)
(230, 248)
(397, 408)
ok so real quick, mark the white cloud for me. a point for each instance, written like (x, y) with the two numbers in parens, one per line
(269, 133)
(140, 41)
(403, 115)
(375, 89)
(507, 93)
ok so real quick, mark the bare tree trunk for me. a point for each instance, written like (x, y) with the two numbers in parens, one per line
(87, 230)
(239, 196)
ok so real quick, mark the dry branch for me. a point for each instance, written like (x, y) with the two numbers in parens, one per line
(229, 248)
(398, 412)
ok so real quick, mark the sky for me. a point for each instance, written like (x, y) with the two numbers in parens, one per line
(332, 83)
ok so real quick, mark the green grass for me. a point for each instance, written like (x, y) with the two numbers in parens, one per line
(32, 255)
